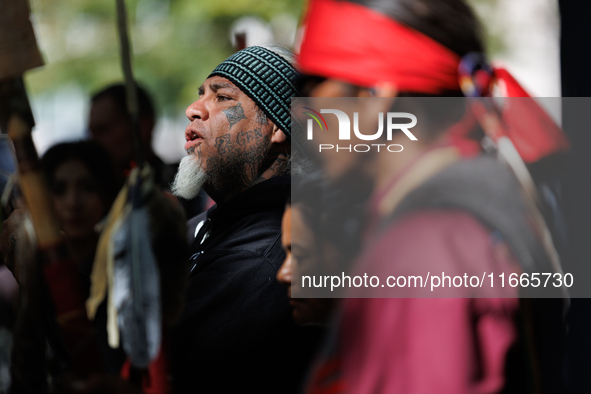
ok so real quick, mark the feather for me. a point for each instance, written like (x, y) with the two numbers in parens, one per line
(136, 285)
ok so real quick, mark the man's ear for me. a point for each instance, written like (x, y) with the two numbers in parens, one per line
(277, 135)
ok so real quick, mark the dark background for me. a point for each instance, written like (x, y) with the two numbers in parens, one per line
(576, 82)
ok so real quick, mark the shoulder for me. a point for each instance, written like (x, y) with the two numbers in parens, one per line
(258, 234)
(438, 229)
(432, 240)
(253, 238)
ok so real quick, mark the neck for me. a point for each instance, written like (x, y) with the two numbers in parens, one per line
(276, 165)
(82, 250)
(279, 165)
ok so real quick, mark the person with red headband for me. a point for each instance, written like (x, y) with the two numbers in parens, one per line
(442, 203)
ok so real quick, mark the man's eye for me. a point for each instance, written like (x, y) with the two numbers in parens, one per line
(223, 98)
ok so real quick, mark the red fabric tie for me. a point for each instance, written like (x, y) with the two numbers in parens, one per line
(353, 43)
(361, 46)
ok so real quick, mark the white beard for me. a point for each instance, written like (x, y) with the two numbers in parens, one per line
(189, 178)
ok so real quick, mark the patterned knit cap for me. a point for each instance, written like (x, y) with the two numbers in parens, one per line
(267, 78)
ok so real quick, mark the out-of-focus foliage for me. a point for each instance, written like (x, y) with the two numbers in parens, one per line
(493, 35)
(176, 43)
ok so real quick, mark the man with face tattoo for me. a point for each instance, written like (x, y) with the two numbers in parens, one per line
(236, 334)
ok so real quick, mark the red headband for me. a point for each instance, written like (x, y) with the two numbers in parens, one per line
(383, 50)
(361, 46)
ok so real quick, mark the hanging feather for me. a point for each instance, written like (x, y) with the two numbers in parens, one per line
(160, 244)
(136, 283)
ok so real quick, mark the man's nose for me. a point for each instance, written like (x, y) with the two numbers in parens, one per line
(197, 110)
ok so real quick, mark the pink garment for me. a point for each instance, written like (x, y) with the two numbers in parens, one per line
(429, 345)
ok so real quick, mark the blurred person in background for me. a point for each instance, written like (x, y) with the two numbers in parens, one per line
(110, 125)
(304, 216)
(320, 230)
(237, 334)
(83, 185)
(397, 48)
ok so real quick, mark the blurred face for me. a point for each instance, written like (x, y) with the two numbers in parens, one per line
(300, 250)
(76, 200)
(110, 128)
(340, 165)
(226, 139)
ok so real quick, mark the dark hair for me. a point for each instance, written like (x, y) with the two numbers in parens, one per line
(118, 94)
(449, 22)
(332, 212)
(96, 160)
(308, 191)
(452, 23)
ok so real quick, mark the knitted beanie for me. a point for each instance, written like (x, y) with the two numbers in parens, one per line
(267, 78)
